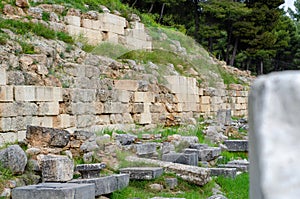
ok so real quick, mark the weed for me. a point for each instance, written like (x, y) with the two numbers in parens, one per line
(108, 49)
(46, 16)
(229, 156)
(26, 47)
(3, 38)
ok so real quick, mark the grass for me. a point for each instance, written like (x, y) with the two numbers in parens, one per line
(229, 156)
(237, 188)
(38, 29)
(140, 189)
(107, 49)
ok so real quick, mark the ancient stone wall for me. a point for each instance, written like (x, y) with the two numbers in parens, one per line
(123, 103)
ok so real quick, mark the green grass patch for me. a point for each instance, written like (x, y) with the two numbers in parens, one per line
(141, 189)
(229, 156)
(228, 78)
(38, 29)
(107, 49)
(3, 38)
(237, 188)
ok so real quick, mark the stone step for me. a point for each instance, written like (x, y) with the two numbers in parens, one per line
(226, 172)
(241, 168)
(55, 191)
(106, 185)
(90, 170)
(142, 173)
(237, 145)
(182, 158)
(209, 153)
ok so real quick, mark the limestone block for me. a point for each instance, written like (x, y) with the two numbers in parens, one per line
(205, 99)
(116, 107)
(142, 173)
(180, 84)
(188, 106)
(83, 95)
(244, 106)
(112, 19)
(24, 93)
(6, 93)
(91, 24)
(94, 36)
(146, 97)
(21, 136)
(26, 108)
(157, 108)
(98, 107)
(216, 100)
(127, 118)
(54, 191)
(3, 77)
(116, 118)
(102, 120)
(75, 30)
(48, 108)
(111, 37)
(137, 34)
(123, 96)
(201, 91)
(225, 172)
(85, 121)
(205, 108)
(56, 168)
(146, 149)
(73, 20)
(183, 97)
(81, 108)
(241, 100)
(9, 137)
(7, 124)
(145, 118)
(129, 85)
(63, 121)
(137, 25)
(57, 94)
(274, 139)
(43, 121)
(181, 158)
(8, 110)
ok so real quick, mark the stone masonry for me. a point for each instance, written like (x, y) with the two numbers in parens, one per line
(124, 103)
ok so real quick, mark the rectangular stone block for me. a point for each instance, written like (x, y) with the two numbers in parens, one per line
(205, 108)
(24, 93)
(57, 94)
(187, 98)
(115, 107)
(136, 44)
(112, 19)
(55, 191)
(85, 121)
(137, 33)
(81, 108)
(94, 36)
(44, 94)
(111, 37)
(48, 108)
(42, 121)
(106, 185)
(142, 173)
(209, 153)
(236, 145)
(7, 124)
(146, 149)
(181, 158)
(102, 120)
(241, 100)
(91, 24)
(63, 121)
(73, 20)
(83, 95)
(8, 110)
(145, 97)
(226, 172)
(180, 84)
(137, 25)
(3, 76)
(9, 137)
(205, 99)
(21, 136)
(188, 106)
(75, 30)
(6, 93)
(123, 96)
(145, 118)
(56, 168)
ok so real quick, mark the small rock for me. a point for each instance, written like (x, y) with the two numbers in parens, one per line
(14, 158)
(156, 187)
(22, 3)
(6, 193)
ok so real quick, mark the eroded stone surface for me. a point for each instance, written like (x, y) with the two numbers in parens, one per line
(13, 158)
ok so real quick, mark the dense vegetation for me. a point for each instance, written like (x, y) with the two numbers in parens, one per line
(254, 35)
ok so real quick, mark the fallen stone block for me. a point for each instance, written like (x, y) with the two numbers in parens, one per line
(226, 172)
(56, 168)
(90, 170)
(193, 174)
(55, 191)
(241, 168)
(146, 149)
(13, 158)
(171, 182)
(106, 185)
(236, 145)
(142, 173)
(181, 158)
(47, 137)
(209, 153)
